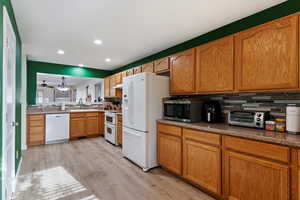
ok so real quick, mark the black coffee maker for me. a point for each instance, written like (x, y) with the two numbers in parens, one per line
(211, 112)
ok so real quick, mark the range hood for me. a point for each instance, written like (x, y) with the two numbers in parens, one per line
(119, 86)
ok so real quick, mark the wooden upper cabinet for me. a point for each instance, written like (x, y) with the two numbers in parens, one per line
(266, 56)
(215, 66)
(106, 87)
(129, 72)
(137, 70)
(183, 72)
(118, 78)
(162, 65)
(124, 74)
(148, 67)
(112, 84)
(248, 178)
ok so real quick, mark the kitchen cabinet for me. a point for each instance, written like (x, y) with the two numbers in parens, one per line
(106, 87)
(101, 123)
(35, 130)
(119, 130)
(129, 72)
(112, 84)
(162, 65)
(118, 78)
(148, 67)
(137, 70)
(248, 178)
(215, 66)
(182, 76)
(267, 56)
(251, 173)
(84, 124)
(202, 159)
(124, 74)
(92, 124)
(170, 148)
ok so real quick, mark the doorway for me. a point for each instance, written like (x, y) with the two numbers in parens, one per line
(8, 142)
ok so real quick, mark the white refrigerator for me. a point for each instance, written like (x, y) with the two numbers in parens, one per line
(142, 106)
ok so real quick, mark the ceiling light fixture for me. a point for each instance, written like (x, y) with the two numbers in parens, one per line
(61, 52)
(107, 60)
(81, 65)
(97, 42)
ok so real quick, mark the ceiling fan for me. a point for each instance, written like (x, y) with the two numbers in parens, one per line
(44, 85)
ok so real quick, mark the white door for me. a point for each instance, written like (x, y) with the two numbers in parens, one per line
(9, 64)
(134, 102)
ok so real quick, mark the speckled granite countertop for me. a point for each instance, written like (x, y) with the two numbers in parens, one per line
(36, 112)
(249, 133)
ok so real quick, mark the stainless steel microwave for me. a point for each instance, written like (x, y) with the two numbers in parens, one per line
(184, 110)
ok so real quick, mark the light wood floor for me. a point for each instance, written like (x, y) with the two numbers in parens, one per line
(91, 169)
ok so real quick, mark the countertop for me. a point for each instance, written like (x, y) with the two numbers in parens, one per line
(249, 133)
(35, 112)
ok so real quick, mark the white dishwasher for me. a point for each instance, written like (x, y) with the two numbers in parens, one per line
(57, 128)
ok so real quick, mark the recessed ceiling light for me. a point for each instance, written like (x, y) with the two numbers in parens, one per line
(61, 52)
(107, 60)
(97, 42)
(81, 65)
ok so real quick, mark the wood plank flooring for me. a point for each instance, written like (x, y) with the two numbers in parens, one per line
(92, 169)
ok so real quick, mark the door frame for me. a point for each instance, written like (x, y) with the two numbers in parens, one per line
(8, 25)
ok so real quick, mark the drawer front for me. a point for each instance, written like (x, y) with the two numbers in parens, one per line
(92, 114)
(202, 136)
(36, 135)
(77, 115)
(37, 123)
(36, 117)
(171, 130)
(271, 151)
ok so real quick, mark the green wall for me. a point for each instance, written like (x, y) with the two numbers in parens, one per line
(8, 5)
(281, 10)
(34, 67)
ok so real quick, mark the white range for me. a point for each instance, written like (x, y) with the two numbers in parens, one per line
(142, 106)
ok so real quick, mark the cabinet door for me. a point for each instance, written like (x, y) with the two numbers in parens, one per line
(162, 65)
(101, 123)
(215, 66)
(124, 74)
(267, 56)
(35, 130)
(77, 127)
(129, 72)
(137, 70)
(149, 67)
(170, 152)
(118, 78)
(202, 164)
(92, 127)
(183, 72)
(112, 84)
(248, 178)
(106, 87)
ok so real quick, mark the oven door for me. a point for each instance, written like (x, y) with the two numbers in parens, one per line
(110, 118)
(110, 133)
(177, 111)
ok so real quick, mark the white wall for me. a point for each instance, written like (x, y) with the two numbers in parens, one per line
(23, 97)
(81, 90)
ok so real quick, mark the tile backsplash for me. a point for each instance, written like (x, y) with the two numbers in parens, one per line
(274, 102)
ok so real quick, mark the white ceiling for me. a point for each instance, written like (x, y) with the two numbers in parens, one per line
(54, 80)
(129, 29)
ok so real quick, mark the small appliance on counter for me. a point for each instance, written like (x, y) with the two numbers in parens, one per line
(184, 110)
(211, 112)
(251, 119)
(293, 119)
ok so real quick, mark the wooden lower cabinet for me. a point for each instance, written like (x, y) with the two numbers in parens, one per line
(248, 178)
(77, 127)
(35, 130)
(202, 162)
(85, 124)
(119, 130)
(170, 152)
(101, 123)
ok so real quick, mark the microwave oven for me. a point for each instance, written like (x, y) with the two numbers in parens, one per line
(184, 110)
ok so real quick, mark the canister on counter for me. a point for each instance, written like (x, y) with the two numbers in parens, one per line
(270, 125)
(280, 124)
